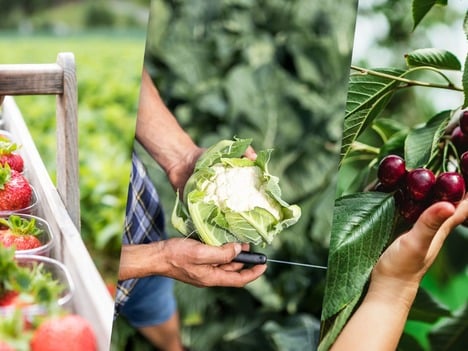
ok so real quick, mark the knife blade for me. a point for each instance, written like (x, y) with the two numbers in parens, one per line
(260, 258)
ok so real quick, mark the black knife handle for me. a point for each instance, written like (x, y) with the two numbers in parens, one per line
(250, 258)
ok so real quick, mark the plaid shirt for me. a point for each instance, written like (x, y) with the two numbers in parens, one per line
(144, 221)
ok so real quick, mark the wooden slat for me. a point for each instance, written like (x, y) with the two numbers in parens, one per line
(91, 298)
(67, 139)
(31, 79)
(59, 79)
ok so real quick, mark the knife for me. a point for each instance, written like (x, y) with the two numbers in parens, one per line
(260, 258)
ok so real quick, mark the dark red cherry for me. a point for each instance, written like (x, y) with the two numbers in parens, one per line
(464, 163)
(449, 186)
(459, 139)
(410, 209)
(419, 183)
(463, 122)
(391, 171)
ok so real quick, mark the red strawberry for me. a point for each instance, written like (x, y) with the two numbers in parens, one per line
(8, 298)
(5, 347)
(71, 332)
(15, 190)
(9, 156)
(19, 232)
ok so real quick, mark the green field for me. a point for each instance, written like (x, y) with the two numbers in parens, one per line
(108, 73)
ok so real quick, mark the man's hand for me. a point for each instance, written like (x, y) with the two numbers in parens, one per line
(189, 261)
(198, 264)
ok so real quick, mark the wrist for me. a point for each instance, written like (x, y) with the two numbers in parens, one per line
(399, 293)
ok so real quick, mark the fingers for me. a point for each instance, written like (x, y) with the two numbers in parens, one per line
(431, 220)
(250, 153)
(238, 279)
(217, 255)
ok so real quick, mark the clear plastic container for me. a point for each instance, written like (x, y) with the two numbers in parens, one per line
(31, 209)
(58, 272)
(46, 237)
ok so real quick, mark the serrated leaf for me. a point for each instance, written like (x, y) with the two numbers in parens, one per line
(367, 97)
(422, 142)
(452, 334)
(362, 225)
(437, 58)
(426, 309)
(420, 8)
(332, 328)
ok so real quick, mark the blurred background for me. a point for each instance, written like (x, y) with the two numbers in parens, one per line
(108, 40)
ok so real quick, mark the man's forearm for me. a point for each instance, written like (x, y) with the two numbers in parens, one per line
(137, 261)
(158, 130)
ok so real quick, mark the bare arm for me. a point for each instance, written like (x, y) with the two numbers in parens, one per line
(183, 259)
(379, 321)
(162, 136)
(189, 261)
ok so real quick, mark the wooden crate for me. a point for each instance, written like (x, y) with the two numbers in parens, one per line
(60, 204)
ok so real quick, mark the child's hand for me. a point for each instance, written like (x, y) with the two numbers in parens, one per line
(408, 258)
(381, 317)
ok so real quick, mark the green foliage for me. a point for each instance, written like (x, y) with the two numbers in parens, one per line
(273, 71)
(376, 125)
(107, 105)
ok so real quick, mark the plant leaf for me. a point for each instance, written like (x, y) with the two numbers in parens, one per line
(422, 141)
(367, 96)
(452, 334)
(420, 8)
(438, 58)
(331, 330)
(362, 225)
(426, 309)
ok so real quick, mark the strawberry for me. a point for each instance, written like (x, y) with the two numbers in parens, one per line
(5, 347)
(8, 298)
(15, 190)
(70, 332)
(9, 156)
(19, 232)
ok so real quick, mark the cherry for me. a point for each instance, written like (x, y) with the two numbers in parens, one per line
(419, 183)
(391, 171)
(449, 186)
(459, 139)
(410, 209)
(464, 163)
(463, 122)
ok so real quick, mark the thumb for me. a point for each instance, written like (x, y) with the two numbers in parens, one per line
(431, 221)
(221, 254)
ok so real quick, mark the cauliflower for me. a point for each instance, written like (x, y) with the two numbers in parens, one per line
(230, 198)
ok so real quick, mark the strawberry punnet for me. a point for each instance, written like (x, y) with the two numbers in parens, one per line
(15, 190)
(8, 155)
(20, 233)
(70, 332)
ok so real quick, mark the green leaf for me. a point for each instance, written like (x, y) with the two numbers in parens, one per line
(362, 225)
(452, 334)
(420, 8)
(433, 57)
(426, 309)
(300, 333)
(331, 329)
(367, 97)
(422, 142)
